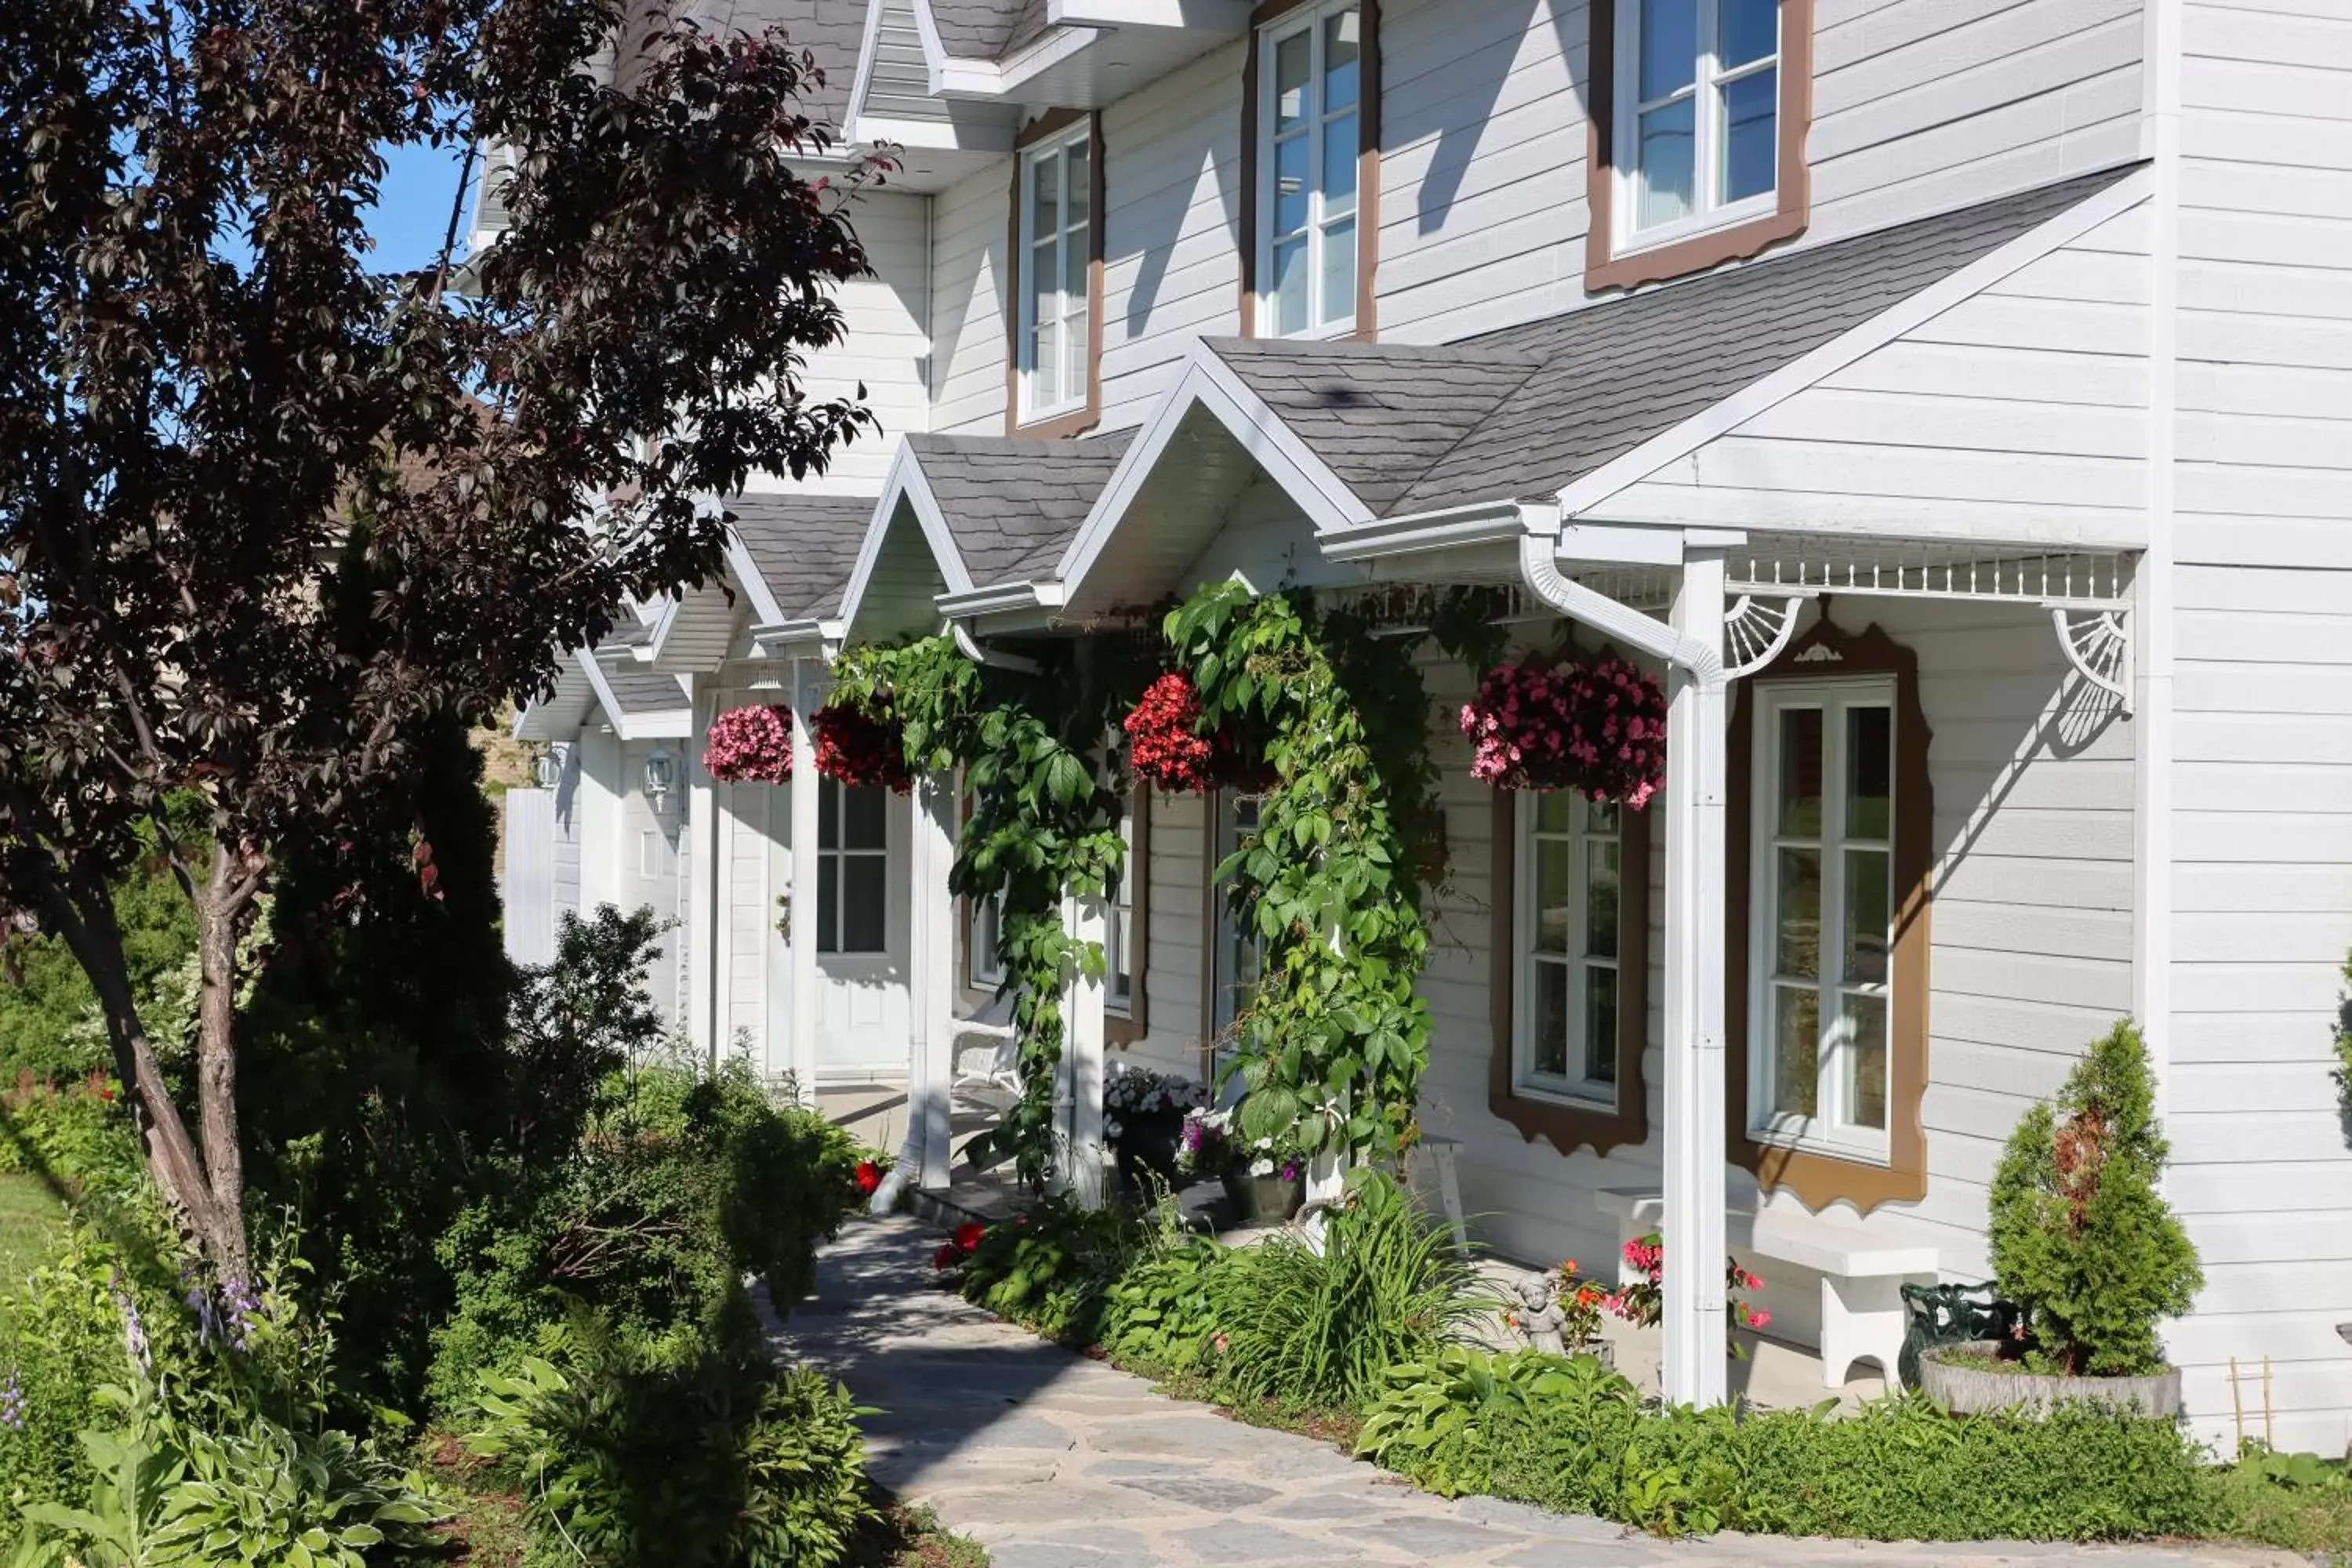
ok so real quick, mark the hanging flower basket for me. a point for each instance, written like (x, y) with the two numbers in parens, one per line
(1168, 752)
(750, 745)
(1598, 727)
(857, 749)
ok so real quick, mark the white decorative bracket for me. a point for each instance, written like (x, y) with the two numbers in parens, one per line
(2098, 644)
(1755, 630)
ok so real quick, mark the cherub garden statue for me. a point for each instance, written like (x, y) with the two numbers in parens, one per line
(1539, 1317)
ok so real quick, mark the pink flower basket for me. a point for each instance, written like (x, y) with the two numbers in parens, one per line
(750, 745)
(1598, 727)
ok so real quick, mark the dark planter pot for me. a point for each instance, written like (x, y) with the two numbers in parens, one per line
(1149, 1142)
(1260, 1200)
(1970, 1387)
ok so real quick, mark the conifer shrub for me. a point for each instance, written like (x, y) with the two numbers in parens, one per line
(2082, 1241)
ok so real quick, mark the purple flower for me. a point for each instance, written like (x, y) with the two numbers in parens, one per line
(12, 1404)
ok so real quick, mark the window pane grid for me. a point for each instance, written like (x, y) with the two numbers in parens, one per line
(852, 870)
(1057, 218)
(1700, 82)
(1308, 180)
(1826, 943)
(1571, 876)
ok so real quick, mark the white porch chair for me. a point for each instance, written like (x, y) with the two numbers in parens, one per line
(987, 1051)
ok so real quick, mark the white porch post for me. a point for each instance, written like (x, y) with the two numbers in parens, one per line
(1697, 1347)
(706, 925)
(932, 919)
(804, 887)
(1079, 1079)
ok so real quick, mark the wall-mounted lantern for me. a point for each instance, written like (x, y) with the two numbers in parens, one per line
(547, 769)
(661, 774)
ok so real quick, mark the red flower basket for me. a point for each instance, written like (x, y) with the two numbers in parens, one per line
(1168, 752)
(1599, 729)
(858, 749)
(750, 745)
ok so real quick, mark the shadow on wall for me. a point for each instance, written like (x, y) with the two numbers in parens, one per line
(1459, 118)
(1150, 231)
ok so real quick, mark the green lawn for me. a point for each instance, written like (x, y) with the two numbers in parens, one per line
(32, 1221)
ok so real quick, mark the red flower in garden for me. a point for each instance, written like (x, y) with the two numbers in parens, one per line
(868, 1176)
(946, 1258)
(968, 1235)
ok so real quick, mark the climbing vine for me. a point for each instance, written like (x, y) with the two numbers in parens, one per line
(1334, 1041)
(1047, 798)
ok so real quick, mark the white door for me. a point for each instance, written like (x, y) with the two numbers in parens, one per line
(858, 917)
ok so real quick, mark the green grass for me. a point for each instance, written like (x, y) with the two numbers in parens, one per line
(32, 1223)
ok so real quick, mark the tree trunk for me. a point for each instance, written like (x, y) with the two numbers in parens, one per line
(85, 917)
(219, 910)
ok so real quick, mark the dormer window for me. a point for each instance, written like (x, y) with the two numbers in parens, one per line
(1056, 243)
(1699, 116)
(1311, 150)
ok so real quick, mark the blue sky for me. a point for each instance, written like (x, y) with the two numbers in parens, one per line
(414, 213)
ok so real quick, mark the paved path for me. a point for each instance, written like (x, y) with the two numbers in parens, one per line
(1053, 1461)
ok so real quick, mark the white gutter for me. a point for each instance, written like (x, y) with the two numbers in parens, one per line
(969, 646)
(999, 598)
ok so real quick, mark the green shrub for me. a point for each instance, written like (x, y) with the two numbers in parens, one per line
(679, 1185)
(1050, 1268)
(1575, 1437)
(719, 1462)
(1322, 1328)
(78, 1135)
(167, 1489)
(1161, 1313)
(2081, 1239)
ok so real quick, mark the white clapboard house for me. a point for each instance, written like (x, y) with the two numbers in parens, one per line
(1950, 399)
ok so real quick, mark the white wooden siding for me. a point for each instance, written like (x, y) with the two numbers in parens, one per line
(2263, 838)
(887, 348)
(2020, 413)
(1924, 105)
(968, 303)
(1172, 240)
(1482, 167)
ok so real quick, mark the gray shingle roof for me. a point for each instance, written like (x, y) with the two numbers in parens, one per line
(642, 691)
(834, 31)
(988, 29)
(805, 545)
(1014, 504)
(1524, 412)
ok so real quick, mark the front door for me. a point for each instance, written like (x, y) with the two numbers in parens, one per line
(858, 917)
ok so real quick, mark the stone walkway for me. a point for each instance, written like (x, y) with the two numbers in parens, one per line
(1054, 1461)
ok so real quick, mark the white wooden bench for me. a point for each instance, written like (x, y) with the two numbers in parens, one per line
(1862, 1270)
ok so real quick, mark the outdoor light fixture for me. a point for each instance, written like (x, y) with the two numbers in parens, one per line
(661, 772)
(548, 770)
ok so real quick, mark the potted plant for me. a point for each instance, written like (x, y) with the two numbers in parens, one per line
(1143, 1118)
(2086, 1250)
(1267, 1186)
(1642, 1300)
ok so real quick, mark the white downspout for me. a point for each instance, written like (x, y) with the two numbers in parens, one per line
(1698, 1346)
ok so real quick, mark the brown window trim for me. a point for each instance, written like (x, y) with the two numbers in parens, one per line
(1124, 1029)
(1569, 1127)
(1367, 167)
(1816, 1177)
(1603, 267)
(1079, 420)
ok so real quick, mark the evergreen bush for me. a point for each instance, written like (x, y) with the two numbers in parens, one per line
(2081, 1239)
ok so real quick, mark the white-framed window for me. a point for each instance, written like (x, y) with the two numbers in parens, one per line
(1236, 957)
(1057, 248)
(1310, 72)
(1697, 131)
(852, 868)
(1569, 897)
(1118, 929)
(1822, 928)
